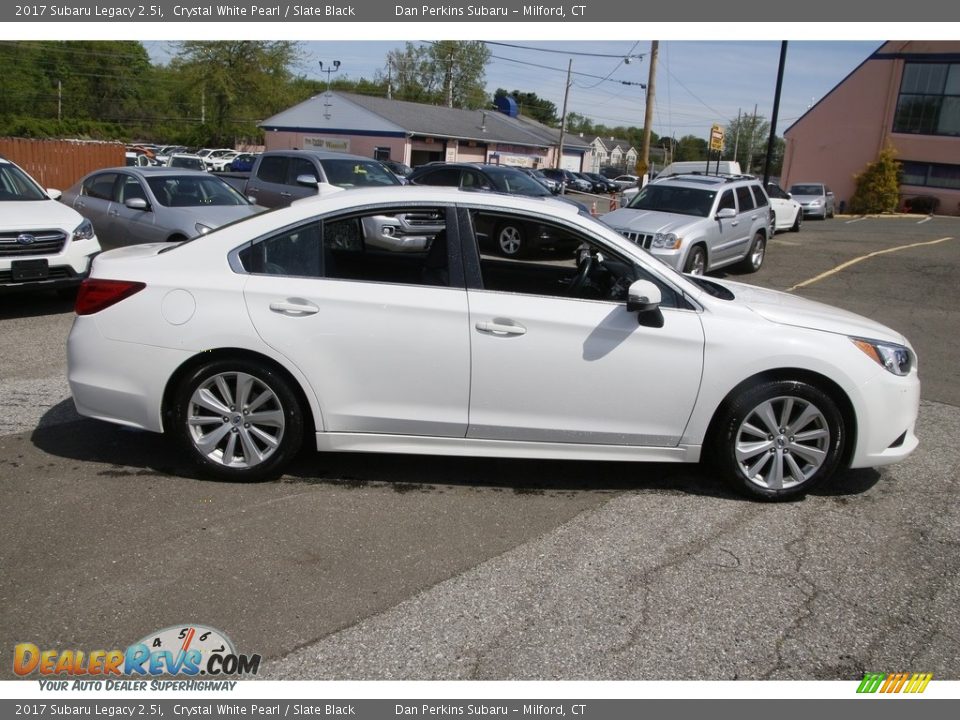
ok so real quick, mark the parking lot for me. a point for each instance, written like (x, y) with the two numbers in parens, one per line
(403, 567)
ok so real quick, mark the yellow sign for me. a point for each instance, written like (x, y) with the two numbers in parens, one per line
(716, 138)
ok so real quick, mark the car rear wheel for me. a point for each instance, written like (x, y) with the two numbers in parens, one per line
(511, 239)
(237, 420)
(696, 261)
(778, 440)
(758, 250)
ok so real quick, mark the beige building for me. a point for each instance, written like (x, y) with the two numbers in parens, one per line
(907, 93)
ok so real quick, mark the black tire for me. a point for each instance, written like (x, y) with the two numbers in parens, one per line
(754, 472)
(696, 263)
(511, 239)
(259, 450)
(758, 251)
(798, 221)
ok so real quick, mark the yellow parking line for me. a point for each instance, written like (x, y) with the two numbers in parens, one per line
(848, 263)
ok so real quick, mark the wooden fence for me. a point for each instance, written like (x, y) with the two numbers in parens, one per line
(60, 163)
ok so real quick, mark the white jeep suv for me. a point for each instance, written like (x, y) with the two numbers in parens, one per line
(699, 223)
(43, 243)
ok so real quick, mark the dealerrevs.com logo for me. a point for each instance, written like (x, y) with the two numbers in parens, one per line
(909, 683)
(179, 650)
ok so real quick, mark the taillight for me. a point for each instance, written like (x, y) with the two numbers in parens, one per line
(96, 295)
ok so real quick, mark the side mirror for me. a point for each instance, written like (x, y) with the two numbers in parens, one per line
(643, 297)
(53, 194)
(307, 180)
(136, 203)
(789, 196)
(726, 213)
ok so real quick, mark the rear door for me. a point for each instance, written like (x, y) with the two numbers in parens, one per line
(268, 182)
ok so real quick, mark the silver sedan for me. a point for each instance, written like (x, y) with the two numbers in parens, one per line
(142, 205)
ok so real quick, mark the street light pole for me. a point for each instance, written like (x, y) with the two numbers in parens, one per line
(329, 71)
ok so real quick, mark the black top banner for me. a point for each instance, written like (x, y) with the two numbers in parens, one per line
(512, 11)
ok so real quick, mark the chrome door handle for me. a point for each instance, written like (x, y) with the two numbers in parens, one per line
(285, 194)
(287, 307)
(501, 327)
(114, 213)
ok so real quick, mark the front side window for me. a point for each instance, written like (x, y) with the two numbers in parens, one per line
(560, 262)
(929, 101)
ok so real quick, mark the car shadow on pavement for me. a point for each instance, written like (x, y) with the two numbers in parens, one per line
(36, 304)
(129, 452)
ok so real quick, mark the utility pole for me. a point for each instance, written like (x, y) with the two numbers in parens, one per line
(563, 118)
(736, 137)
(753, 127)
(449, 79)
(776, 113)
(644, 162)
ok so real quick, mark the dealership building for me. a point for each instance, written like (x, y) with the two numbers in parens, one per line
(906, 95)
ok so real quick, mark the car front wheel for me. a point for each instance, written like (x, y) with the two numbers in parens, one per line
(237, 420)
(778, 440)
(696, 261)
(797, 222)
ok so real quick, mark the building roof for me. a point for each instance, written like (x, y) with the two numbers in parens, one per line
(610, 143)
(362, 114)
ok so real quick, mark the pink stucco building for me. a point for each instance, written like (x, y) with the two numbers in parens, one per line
(907, 93)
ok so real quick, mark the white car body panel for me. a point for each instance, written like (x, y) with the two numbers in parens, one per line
(584, 381)
(572, 375)
(785, 212)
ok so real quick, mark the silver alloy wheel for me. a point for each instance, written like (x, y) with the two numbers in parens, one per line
(235, 419)
(698, 263)
(782, 443)
(510, 239)
(756, 254)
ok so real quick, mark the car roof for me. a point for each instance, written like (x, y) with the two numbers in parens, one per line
(320, 154)
(154, 171)
(697, 180)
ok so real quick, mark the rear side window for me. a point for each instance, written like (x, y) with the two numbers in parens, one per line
(745, 199)
(447, 177)
(100, 186)
(273, 169)
(758, 196)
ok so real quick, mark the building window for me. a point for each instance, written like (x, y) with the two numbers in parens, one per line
(933, 175)
(929, 102)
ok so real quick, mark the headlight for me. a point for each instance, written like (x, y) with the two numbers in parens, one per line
(895, 358)
(203, 229)
(816, 203)
(84, 231)
(667, 241)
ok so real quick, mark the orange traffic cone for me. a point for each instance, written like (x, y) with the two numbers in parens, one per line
(593, 208)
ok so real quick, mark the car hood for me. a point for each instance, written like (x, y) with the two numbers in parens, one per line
(803, 199)
(649, 221)
(38, 215)
(786, 309)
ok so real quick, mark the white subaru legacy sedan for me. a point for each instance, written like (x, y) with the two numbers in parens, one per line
(385, 320)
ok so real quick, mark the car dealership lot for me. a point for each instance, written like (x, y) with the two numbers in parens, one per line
(364, 566)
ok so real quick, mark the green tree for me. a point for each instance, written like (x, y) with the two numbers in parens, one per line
(690, 148)
(878, 186)
(748, 135)
(235, 83)
(448, 72)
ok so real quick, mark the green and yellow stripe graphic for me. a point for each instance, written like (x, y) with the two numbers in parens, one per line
(894, 682)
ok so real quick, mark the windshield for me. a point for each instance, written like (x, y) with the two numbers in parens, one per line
(806, 189)
(357, 173)
(15, 184)
(194, 191)
(516, 183)
(673, 199)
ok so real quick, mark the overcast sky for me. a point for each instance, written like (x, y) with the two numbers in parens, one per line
(698, 82)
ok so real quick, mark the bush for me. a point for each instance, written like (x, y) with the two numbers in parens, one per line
(922, 204)
(878, 186)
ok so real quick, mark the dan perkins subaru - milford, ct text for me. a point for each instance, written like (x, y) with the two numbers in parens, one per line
(487, 11)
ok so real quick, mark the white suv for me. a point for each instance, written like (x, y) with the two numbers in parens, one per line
(698, 223)
(43, 243)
